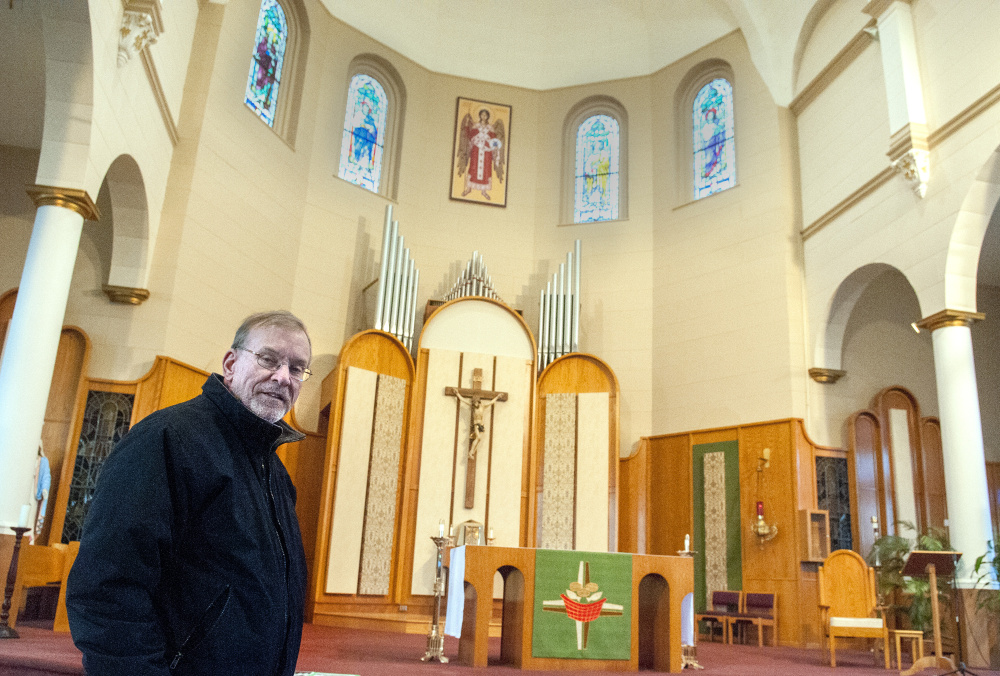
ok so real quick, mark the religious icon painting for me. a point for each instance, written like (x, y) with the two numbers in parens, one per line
(481, 152)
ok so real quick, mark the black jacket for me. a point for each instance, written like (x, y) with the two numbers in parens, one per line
(191, 560)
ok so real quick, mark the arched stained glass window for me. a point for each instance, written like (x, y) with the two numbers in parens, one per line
(596, 178)
(268, 57)
(364, 133)
(714, 142)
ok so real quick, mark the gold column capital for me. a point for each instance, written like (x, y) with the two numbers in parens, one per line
(949, 318)
(826, 376)
(73, 199)
(126, 295)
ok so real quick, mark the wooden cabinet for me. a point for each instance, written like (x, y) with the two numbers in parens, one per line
(814, 534)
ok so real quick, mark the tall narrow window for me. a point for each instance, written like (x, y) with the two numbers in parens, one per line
(596, 177)
(364, 133)
(714, 144)
(268, 57)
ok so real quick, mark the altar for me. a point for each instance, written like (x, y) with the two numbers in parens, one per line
(652, 609)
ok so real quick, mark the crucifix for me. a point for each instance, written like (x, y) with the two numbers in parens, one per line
(478, 400)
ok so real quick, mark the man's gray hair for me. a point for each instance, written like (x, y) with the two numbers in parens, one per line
(280, 318)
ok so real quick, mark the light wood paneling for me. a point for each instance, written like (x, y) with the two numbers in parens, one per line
(379, 352)
(579, 373)
(657, 482)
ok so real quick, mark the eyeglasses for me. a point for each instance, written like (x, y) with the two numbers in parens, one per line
(271, 363)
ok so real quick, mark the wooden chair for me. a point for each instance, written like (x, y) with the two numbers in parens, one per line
(759, 610)
(847, 601)
(38, 566)
(724, 606)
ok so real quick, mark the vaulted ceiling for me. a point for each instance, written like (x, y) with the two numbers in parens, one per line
(544, 44)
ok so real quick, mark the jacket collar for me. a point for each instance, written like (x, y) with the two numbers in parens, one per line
(256, 433)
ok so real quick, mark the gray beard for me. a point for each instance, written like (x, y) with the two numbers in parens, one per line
(272, 413)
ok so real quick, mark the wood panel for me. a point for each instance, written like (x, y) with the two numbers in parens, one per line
(935, 505)
(864, 467)
(670, 494)
(633, 496)
(65, 391)
(379, 352)
(993, 483)
(579, 373)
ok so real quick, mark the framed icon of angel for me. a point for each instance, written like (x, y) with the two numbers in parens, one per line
(481, 152)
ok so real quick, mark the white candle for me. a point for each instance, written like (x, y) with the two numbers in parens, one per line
(22, 521)
(491, 533)
(451, 531)
(441, 528)
(687, 543)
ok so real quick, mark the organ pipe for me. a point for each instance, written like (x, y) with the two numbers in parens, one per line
(396, 305)
(559, 311)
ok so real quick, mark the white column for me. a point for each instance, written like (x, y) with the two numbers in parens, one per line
(961, 439)
(29, 353)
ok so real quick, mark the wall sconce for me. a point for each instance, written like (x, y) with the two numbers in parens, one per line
(762, 529)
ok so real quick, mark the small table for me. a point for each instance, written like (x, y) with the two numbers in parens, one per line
(916, 638)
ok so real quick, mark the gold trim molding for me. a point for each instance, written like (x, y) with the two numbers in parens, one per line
(838, 64)
(126, 295)
(950, 318)
(934, 138)
(826, 376)
(73, 199)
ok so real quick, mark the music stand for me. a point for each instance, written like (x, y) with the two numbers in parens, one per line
(931, 563)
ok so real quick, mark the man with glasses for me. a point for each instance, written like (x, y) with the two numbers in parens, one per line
(191, 560)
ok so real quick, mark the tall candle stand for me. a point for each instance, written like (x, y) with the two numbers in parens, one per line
(435, 639)
(6, 631)
(689, 653)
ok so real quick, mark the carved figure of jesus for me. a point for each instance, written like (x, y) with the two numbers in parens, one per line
(476, 426)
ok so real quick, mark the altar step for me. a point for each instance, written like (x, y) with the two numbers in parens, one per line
(399, 623)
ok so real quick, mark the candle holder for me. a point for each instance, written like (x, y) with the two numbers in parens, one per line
(435, 639)
(6, 631)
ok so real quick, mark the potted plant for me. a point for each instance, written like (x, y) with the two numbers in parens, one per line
(909, 594)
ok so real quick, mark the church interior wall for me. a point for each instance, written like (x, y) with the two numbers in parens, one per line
(955, 42)
(835, 27)
(715, 335)
(17, 213)
(172, 51)
(843, 135)
(663, 313)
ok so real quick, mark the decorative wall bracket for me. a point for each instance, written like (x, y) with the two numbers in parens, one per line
(126, 295)
(915, 166)
(826, 376)
(142, 25)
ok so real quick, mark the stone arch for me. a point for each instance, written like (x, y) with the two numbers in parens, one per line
(830, 341)
(966, 242)
(65, 151)
(127, 213)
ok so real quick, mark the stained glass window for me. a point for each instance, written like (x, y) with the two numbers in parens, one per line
(714, 144)
(105, 421)
(833, 493)
(596, 187)
(268, 56)
(364, 133)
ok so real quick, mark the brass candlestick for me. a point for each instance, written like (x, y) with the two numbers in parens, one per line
(6, 631)
(435, 639)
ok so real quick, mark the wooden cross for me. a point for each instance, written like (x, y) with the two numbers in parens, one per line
(474, 397)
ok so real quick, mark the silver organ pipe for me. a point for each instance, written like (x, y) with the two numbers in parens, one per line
(383, 266)
(397, 285)
(559, 311)
(474, 280)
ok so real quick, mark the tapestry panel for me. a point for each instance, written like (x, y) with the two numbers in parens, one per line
(383, 485)
(559, 472)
